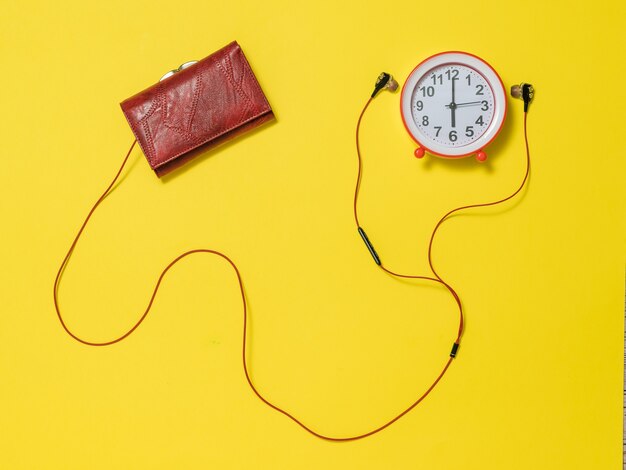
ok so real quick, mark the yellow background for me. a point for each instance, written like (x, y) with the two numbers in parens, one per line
(537, 383)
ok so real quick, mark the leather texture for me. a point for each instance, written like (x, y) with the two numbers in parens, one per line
(197, 108)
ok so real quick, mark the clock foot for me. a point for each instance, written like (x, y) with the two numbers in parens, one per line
(419, 152)
(481, 156)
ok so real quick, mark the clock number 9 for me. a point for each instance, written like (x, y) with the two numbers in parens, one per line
(419, 105)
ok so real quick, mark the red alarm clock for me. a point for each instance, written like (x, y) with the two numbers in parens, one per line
(453, 104)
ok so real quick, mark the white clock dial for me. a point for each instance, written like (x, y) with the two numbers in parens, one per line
(453, 104)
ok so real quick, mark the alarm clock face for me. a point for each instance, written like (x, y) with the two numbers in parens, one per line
(453, 105)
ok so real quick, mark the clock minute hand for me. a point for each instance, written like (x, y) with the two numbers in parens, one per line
(469, 103)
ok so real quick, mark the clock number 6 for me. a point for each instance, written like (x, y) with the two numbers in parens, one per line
(452, 136)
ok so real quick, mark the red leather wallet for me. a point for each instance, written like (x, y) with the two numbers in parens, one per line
(196, 108)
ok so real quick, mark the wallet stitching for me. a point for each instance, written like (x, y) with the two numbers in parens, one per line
(240, 85)
(230, 76)
(182, 132)
(186, 133)
(149, 141)
(158, 99)
(196, 98)
(254, 79)
(243, 75)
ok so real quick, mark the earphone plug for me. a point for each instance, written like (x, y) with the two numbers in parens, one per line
(523, 91)
(385, 81)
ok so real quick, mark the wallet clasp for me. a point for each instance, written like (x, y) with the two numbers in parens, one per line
(181, 67)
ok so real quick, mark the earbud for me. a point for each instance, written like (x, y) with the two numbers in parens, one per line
(385, 81)
(523, 91)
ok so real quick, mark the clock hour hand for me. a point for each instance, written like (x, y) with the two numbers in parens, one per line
(452, 107)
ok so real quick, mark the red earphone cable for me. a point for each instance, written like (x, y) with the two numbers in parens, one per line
(245, 312)
(245, 320)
